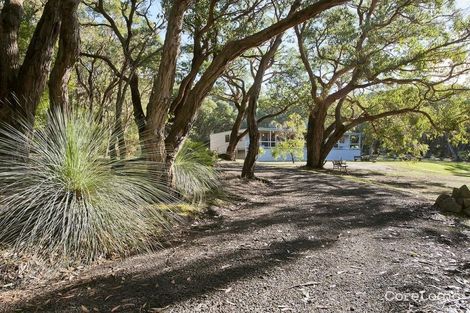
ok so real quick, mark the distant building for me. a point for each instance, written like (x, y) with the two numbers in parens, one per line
(347, 148)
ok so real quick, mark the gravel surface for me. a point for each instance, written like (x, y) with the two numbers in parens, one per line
(297, 241)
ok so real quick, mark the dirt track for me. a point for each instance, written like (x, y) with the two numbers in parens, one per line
(306, 242)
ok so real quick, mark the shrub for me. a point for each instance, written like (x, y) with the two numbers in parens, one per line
(61, 198)
(194, 171)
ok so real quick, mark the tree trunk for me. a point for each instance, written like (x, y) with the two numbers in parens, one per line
(160, 98)
(266, 62)
(230, 155)
(139, 116)
(69, 51)
(37, 62)
(315, 138)
(10, 20)
(22, 86)
(248, 170)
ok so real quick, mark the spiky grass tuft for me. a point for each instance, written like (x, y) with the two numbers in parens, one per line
(61, 197)
(194, 171)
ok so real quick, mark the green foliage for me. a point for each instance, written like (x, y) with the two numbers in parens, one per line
(410, 133)
(291, 138)
(213, 117)
(62, 199)
(194, 171)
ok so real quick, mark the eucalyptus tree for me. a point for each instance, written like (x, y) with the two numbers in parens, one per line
(371, 45)
(23, 74)
(169, 119)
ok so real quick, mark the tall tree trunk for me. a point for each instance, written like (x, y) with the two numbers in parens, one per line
(67, 56)
(230, 154)
(315, 137)
(265, 63)
(21, 87)
(118, 132)
(248, 170)
(10, 20)
(160, 98)
(35, 69)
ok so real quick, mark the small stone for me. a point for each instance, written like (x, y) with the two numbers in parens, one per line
(456, 194)
(467, 212)
(450, 205)
(464, 191)
(466, 203)
(441, 198)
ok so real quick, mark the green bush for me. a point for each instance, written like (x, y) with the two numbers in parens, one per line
(62, 198)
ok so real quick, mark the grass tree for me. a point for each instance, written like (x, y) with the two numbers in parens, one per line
(61, 198)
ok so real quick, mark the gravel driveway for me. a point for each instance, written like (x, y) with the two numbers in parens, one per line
(298, 242)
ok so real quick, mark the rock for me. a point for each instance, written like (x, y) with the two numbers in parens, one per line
(466, 203)
(450, 205)
(456, 193)
(467, 212)
(441, 198)
(464, 191)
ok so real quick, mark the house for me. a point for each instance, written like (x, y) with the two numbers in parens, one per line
(347, 148)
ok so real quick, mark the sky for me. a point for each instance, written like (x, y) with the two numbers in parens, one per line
(462, 4)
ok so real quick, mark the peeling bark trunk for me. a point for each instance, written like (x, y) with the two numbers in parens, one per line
(160, 98)
(67, 56)
(10, 19)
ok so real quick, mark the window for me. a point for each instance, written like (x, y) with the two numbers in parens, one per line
(354, 142)
(227, 138)
(354, 139)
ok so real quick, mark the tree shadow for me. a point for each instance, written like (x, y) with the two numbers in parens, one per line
(300, 213)
(459, 169)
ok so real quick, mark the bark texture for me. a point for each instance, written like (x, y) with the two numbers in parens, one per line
(21, 86)
(67, 55)
(160, 98)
